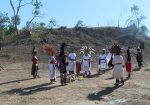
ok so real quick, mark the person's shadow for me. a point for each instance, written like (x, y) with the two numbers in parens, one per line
(106, 91)
(16, 81)
(136, 69)
(97, 74)
(31, 90)
(98, 96)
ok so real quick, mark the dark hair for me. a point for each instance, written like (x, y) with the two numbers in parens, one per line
(62, 49)
(34, 53)
(116, 49)
(63, 44)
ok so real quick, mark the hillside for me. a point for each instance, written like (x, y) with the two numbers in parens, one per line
(99, 38)
(18, 88)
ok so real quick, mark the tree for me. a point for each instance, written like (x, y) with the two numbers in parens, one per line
(36, 12)
(79, 23)
(52, 23)
(4, 23)
(144, 30)
(21, 3)
(4, 20)
(42, 24)
(15, 20)
(136, 17)
(33, 25)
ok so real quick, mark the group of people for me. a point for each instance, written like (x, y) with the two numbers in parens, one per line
(113, 58)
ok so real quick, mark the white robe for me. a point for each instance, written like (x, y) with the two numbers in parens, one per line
(86, 63)
(72, 62)
(108, 57)
(52, 70)
(118, 68)
(102, 65)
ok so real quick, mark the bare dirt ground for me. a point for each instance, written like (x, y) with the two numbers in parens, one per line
(18, 88)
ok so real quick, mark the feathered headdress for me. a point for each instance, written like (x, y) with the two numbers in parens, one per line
(116, 48)
(87, 50)
(49, 50)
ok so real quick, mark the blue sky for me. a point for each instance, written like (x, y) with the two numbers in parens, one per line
(92, 12)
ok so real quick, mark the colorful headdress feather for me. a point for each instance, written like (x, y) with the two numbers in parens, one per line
(87, 50)
(49, 50)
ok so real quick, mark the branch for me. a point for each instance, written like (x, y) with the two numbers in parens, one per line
(128, 20)
(18, 8)
(35, 16)
(26, 4)
(12, 7)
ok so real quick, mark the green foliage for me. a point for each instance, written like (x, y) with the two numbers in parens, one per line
(35, 37)
(52, 23)
(42, 24)
(1, 34)
(37, 6)
(136, 18)
(4, 20)
(144, 30)
(35, 25)
(79, 23)
(17, 21)
(10, 30)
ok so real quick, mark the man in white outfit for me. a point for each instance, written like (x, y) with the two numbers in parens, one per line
(102, 62)
(87, 64)
(72, 62)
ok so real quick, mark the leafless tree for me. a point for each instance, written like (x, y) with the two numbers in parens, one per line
(136, 17)
(16, 10)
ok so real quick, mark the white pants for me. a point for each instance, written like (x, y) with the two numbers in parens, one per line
(72, 65)
(87, 69)
(102, 66)
(52, 71)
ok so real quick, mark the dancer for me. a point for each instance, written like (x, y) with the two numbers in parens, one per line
(139, 58)
(72, 61)
(102, 62)
(51, 52)
(86, 60)
(118, 65)
(35, 68)
(62, 64)
(128, 62)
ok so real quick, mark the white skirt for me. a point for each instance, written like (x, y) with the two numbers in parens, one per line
(118, 71)
(102, 66)
(52, 71)
(72, 65)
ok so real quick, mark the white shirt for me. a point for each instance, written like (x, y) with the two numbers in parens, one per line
(86, 60)
(51, 58)
(102, 58)
(118, 61)
(72, 56)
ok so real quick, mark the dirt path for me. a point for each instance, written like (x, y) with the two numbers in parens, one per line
(18, 88)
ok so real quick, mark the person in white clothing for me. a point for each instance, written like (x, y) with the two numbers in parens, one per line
(51, 52)
(86, 60)
(72, 62)
(102, 62)
(52, 70)
(118, 63)
(87, 65)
